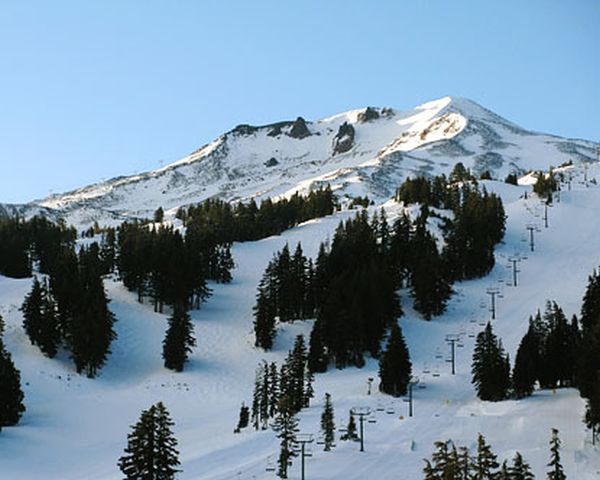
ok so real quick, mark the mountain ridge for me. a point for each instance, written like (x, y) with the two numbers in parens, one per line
(376, 149)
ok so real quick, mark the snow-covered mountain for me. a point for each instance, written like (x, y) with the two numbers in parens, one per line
(360, 152)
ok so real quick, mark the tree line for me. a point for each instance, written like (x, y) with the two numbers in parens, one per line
(11, 394)
(355, 301)
(547, 356)
(449, 462)
(247, 221)
(70, 308)
(29, 243)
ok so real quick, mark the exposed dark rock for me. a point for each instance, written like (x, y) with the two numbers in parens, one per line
(369, 114)
(299, 129)
(275, 131)
(271, 162)
(244, 129)
(387, 112)
(344, 139)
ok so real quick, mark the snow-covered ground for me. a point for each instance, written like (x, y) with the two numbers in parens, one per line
(258, 162)
(76, 428)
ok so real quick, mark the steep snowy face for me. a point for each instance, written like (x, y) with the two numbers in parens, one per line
(361, 152)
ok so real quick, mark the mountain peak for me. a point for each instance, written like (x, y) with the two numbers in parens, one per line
(381, 147)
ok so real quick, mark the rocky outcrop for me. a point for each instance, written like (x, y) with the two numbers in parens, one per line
(299, 129)
(344, 139)
(367, 115)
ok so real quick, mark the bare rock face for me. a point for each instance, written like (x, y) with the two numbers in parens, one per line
(271, 162)
(299, 129)
(344, 139)
(367, 115)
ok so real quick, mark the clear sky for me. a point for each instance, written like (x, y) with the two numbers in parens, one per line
(95, 89)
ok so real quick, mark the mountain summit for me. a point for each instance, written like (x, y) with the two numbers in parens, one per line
(368, 151)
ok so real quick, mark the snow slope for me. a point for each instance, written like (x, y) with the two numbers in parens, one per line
(265, 161)
(76, 428)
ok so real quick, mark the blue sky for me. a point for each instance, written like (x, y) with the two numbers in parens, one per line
(95, 89)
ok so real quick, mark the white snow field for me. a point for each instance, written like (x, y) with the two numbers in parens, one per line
(258, 162)
(76, 428)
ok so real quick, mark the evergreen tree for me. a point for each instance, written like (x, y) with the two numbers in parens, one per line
(484, 461)
(273, 389)
(90, 329)
(490, 368)
(32, 312)
(556, 471)
(151, 452)
(11, 395)
(430, 287)
(350, 433)
(264, 316)
(179, 339)
(444, 463)
(592, 411)
(309, 391)
(327, 423)
(317, 356)
(524, 371)
(50, 333)
(520, 470)
(243, 419)
(286, 427)
(395, 367)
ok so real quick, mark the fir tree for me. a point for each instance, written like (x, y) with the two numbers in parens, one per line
(317, 356)
(273, 388)
(484, 461)
(592, 411)
(395, 367)
(556, 471)
(11, 395)
(350, 433)
(151, 452)
(244, 418)
(430, 287)
(523, 376)
(520, 469)
(32, 312)
(443, 464)
(327, 423)
(179, 340)
(264, 317)
(490, 368)
(286, 427)
(89, 332)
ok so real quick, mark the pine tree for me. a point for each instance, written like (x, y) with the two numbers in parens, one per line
(350, 433)
(89, 331)
(395, 367)
(11, 395)
(556, 471)
(179, 340)
(244, 418)
(444, 463)
(317, 356)
(151, 452)
(523, 376)
(286, 427)
(430, 287)
(490, 368)
(520, 470)
(328, 423)
(264, 316)
(309, 391)
(32, 312)
(484, 462)
(273, 386)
